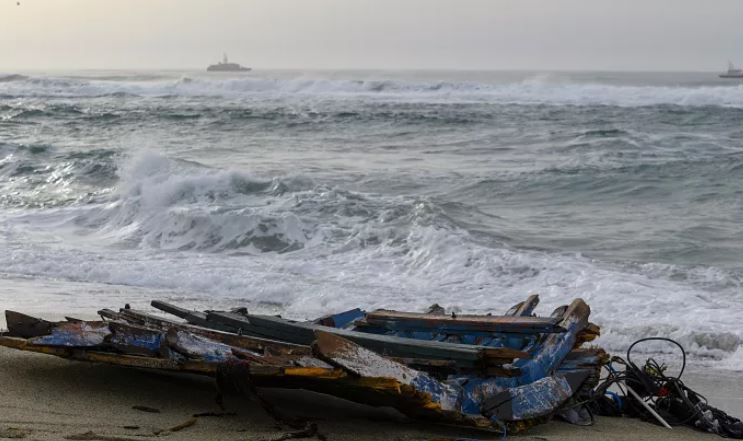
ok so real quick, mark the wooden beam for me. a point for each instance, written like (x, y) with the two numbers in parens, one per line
(304, 333)
(411, 321)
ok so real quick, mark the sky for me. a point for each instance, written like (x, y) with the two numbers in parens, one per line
(372, 34)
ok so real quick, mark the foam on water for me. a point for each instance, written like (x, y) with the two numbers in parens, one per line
(532, 90)
(37, 176)
(300, 194)
(288, 244)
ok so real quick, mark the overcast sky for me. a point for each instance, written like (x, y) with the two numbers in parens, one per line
(459, 34)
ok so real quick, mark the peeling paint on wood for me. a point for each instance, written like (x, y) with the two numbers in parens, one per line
(480, 371)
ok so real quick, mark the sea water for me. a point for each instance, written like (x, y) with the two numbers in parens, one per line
(304, 192)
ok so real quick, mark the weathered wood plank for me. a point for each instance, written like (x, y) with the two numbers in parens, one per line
(108, 314)
(25, 326)
(257, 344)
(402, 321)
(75, 334)
(134, 340)
(341, 319)
(198, 348)
(525, 308)
(191, 316)
(117, 359)
(303, 333)
(539, 398)
(368, 365)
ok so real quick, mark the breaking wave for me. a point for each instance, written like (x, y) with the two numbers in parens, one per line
(522, 92)
(407, 193)
(174, 205)
(12, 77)
(302, 247)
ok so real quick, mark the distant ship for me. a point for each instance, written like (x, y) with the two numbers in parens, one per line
(226, 66)
(733, 72)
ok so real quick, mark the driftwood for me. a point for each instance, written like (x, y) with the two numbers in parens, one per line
(92, 436)
(184, 425)
(309, 432)
(146, 409)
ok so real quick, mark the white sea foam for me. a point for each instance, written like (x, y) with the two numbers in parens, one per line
(535, 90)
(733, 362)
(206, 236)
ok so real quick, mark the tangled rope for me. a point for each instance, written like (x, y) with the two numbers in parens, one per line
(648, 392)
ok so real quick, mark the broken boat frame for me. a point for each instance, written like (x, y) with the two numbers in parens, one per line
(494, 372)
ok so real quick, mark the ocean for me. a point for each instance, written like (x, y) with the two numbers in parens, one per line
(304, 192)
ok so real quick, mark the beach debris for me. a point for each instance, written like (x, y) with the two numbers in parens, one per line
(184, 425)
(214, 414)
(146, 409)
(502, 373)
(309, 432)
(92, 436)
(654, 395)
(13, 433)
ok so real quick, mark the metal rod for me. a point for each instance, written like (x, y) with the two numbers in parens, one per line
(646, 406)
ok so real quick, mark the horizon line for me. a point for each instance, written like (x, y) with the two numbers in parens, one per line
(367, 68)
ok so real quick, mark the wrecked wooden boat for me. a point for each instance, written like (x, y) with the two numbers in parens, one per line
(503, 373)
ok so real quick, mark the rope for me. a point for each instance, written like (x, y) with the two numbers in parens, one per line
(667, 394)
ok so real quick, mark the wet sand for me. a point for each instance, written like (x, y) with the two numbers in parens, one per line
(48, 398)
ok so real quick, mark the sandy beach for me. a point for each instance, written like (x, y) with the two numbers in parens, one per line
(473, 212)
(47, 398)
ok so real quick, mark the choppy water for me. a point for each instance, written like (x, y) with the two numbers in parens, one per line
(303, 192)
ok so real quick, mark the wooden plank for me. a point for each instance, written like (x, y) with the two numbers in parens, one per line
(304, 333)
(257, 344)
(358, 360)
(134, 340)
(191, 316)
(75, 334)
(342, 319)
(411, 321)
(116, 359)
(199, 348)
(440, 364)
(525, 308)
(108, 314)
(370, 365)
(25, 326)
(537, 399)
(551, 352)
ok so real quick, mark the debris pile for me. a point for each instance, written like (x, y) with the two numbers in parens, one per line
(504, 372)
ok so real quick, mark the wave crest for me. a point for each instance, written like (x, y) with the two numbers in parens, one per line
(529, 92)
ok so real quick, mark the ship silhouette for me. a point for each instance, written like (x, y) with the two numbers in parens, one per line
(226, 66)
